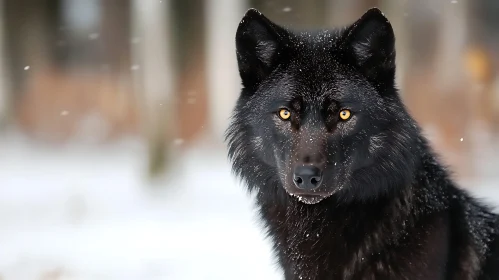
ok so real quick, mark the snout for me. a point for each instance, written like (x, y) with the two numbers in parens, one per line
(307, 177)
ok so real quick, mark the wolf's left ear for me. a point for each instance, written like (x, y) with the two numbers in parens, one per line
(371, 41)
(258, 41)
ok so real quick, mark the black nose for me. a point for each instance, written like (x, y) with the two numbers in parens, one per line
(307, 177)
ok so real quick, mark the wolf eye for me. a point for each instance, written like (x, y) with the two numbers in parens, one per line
(284, 114)
(345, 114)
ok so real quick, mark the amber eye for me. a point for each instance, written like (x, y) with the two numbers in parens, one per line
(284, 114)
(345, 114)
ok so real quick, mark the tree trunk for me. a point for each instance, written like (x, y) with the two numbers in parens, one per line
(153, 74)
(4, 93)
(222, 19)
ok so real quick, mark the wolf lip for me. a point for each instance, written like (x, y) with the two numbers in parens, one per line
(309, 199)
(304, 194)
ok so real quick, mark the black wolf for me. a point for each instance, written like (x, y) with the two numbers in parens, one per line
(345, 182)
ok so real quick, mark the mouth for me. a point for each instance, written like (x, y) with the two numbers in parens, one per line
(309, 198)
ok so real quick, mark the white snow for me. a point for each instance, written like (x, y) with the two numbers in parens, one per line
(76, 212)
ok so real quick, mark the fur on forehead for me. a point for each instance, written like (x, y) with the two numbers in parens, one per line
(366, 46)
(342, 85)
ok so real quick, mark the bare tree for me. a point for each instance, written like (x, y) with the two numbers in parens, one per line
(452, 42)
(153, 71)
(222, 18)
(4, 96)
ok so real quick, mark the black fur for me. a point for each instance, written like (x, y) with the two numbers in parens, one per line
(386, 208)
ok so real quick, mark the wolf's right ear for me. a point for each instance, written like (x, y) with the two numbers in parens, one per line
(371, 41)
(258, 41)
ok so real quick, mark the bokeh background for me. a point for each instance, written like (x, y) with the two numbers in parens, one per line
(112, 113)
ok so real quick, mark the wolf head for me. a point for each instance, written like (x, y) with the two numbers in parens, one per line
(319, 114)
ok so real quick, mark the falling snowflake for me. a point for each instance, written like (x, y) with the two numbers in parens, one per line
(178, 141)
(93, 36)
(135, 40)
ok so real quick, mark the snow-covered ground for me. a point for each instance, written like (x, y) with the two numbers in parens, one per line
(85, 213)
(75, 212)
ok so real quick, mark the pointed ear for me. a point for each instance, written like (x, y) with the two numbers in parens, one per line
(371, 41)
(258, 41)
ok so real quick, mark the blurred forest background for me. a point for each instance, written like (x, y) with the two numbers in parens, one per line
(98, 97)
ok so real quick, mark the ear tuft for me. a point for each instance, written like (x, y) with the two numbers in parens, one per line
(251, 13)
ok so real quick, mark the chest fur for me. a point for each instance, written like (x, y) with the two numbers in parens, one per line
(350, 244)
